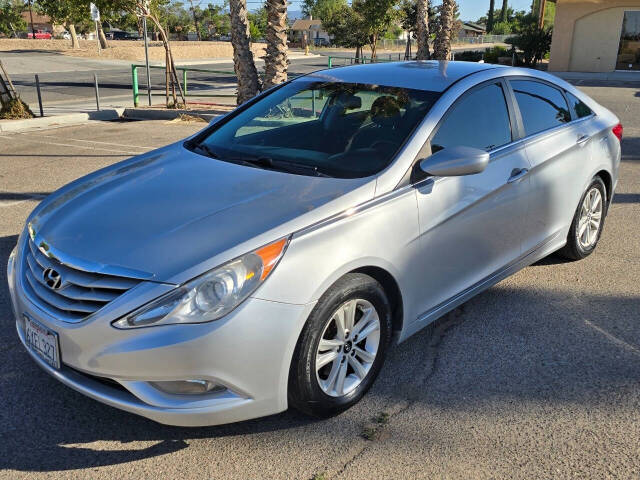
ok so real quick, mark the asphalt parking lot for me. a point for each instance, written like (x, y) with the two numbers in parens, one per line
(538, 377)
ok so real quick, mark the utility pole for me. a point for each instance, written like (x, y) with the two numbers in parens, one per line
(543, 4)
(33, 30)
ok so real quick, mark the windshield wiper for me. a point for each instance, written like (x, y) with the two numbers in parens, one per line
(208, 152)
(263, 162)
(291, 167)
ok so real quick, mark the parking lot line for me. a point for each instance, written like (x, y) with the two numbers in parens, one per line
(87, 147)
(103, 143)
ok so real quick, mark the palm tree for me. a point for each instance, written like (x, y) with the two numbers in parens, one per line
(442, 43)
(275, 60)
(244, 66)
(422, 30)
(503, 12)
(492, 7)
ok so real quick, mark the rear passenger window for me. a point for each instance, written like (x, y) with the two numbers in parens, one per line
(578, 106)
(479, 120)
(541, 106)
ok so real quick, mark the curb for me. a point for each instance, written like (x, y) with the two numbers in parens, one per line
(147, 114)
(68, 119)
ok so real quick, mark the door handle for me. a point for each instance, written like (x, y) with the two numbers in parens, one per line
(582, 139)
(517, 174)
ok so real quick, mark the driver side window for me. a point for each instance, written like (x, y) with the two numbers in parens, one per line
(479, 120)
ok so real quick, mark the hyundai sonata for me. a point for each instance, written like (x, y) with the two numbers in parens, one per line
(273, 258)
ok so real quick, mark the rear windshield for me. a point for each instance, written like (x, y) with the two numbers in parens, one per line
(345, 130)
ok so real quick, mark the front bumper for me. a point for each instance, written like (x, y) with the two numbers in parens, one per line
(248, 352)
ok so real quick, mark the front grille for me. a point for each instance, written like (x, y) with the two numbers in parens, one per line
(80, 293)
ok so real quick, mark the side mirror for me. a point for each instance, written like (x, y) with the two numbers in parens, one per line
(455, 161)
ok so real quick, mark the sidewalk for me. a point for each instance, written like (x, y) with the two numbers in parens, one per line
(600, 78)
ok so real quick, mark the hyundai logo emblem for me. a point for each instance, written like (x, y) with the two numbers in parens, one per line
(52, 278)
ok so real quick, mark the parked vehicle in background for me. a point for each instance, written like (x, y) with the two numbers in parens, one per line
(321, 42)
(272, 259)
(40, 34)
(122, 35)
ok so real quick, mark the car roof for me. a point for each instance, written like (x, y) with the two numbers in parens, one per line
(431, 75)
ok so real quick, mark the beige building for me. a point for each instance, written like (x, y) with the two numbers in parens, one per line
(596, 36)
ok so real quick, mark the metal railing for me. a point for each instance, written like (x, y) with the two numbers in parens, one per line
(484, 39)
(184, 70)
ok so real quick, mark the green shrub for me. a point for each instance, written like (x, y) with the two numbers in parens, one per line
(534, 43)
(492, 54)
(501, 28)
(468, 56)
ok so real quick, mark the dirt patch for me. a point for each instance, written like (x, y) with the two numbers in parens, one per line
(129, 50)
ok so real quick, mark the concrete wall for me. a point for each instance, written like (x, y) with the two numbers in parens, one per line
(586, 34)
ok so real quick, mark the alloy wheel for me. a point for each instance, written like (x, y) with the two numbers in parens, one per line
(348, 347)
(590, 219)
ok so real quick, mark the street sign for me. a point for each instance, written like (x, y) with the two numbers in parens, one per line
(95, 13)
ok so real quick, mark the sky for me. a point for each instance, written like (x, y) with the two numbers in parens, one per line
(469, 9)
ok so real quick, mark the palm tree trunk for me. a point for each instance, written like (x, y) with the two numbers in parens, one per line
(503, 12)
(442, 44)
(74, 36)
(490, 19)
(276, 61)
(244, 66)
(422, 31)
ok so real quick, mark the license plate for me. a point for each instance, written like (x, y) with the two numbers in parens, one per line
(42, 341)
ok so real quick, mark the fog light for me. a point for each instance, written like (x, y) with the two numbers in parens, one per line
(188, 387)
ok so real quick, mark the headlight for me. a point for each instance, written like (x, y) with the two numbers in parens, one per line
(212, 295)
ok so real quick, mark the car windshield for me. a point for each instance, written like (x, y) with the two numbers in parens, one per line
(307, 127)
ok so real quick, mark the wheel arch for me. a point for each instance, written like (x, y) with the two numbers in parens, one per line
(392, 289)
(608, 183)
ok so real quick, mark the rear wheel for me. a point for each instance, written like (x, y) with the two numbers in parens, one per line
(342, 347)
(587, 222)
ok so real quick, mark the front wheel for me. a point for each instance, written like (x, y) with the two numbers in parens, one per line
(342, 347)
(587, 222)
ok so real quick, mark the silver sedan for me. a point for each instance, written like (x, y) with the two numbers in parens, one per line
(272, 259)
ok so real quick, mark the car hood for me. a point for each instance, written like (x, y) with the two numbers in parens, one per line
(172, 214)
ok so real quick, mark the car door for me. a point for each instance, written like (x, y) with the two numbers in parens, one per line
(471, 226)
(558, 150)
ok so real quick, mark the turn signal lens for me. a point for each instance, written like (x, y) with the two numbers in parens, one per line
(617, 131)
(212, 295)
(270, 256)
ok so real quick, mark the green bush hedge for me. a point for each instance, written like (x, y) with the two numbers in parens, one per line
(468, 56)
(491, 54)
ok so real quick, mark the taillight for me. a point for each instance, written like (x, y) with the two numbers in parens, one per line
(617, 131)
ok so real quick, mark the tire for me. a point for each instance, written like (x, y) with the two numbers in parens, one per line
(575, 249)
(318, 391)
